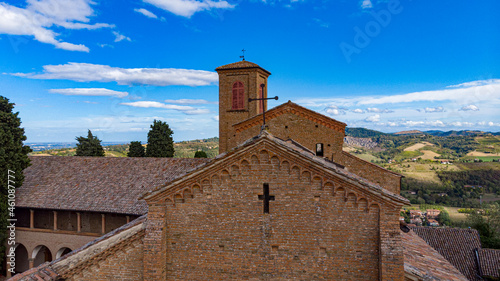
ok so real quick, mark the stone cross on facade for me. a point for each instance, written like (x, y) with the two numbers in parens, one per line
(266, 198)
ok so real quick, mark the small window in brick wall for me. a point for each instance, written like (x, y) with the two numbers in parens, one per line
(238, 101)
(319, 149)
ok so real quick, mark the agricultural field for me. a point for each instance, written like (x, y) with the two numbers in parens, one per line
(488, 144)
(455, 216)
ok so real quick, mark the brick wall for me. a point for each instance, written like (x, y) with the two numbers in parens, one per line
(309, 133)
(319, 226)
(251, 79)
(121, 265)
(376, 174)
(304, 131)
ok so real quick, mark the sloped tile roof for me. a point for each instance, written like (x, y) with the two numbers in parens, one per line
(423, 261)
(457, 245)
(240, 65)
(172, 186)
(98, 184)
(489, 261)
(41, 272)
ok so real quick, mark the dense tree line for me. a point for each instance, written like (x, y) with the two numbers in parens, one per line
(444, 193)
(483, 180)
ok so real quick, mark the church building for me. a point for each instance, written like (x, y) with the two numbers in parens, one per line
(280, 202)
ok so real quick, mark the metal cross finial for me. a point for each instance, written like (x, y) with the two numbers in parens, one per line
(243, 56)
(262, 99)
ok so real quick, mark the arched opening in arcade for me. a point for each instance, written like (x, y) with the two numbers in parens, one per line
(63, 251)
(22, 263)
(40, 255)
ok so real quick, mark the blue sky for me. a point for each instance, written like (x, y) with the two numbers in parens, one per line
(115, 66)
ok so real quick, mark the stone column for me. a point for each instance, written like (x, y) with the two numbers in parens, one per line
(31, 263)
(55, 220)
(103, 223)
(32, 219)
(78, 222)
(8, 275)
(128, 219)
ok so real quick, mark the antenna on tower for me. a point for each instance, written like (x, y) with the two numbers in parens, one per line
(242, 57)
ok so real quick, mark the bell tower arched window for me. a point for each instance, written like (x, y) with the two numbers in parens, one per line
(238, 96)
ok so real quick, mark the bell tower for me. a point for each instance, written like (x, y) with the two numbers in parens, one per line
(238, 82)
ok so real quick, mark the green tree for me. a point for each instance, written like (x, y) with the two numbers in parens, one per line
(444, 218)
(89, 146)
(13, 160)
(200, 154)
(136, 149)
(486, 226)
(160, 142)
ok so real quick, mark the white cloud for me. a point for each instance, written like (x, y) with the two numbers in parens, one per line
(146, 13)
(154, 104)
(86, 72)
(191, 101)
(477, 90)
(39, 16)
(216, 118)
(432, 109)
(321, 23)
(366, 4)
(120, 37)
(96, 92)
(373, 118)
(464, 124)
(470, 107)
(473, 83)
(334, 110)
(187, 8)
(378, 110)
(358, 110)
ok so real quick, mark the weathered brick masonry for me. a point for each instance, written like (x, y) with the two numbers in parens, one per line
(321, 225)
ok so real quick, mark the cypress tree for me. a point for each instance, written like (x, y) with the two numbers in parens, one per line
(136, 149)
(13, 160)
(89, 146)
(160, 141)
(200, 154)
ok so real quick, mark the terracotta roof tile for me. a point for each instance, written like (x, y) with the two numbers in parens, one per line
(99, 184)
(455, 244)
(240, 65)
(489, 261)
(170, 187)
(422, 260)
(42, 272)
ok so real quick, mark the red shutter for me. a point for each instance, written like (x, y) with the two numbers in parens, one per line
(238, 96)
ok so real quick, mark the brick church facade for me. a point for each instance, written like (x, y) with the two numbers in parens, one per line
(281, 202)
